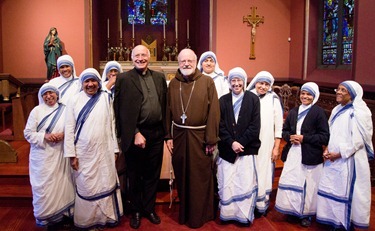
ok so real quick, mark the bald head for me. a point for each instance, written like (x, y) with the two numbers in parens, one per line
(140, 57)
(187, 61)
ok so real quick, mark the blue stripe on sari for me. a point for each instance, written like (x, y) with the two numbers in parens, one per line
(56, 118)
(84, 113)
(64, 87)
(342, 110)
(44, 120)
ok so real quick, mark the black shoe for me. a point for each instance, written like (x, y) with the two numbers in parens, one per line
(135, 220)
(154, 218)
(292, 219)
(257, 213)
(306, 222)
(241, 224)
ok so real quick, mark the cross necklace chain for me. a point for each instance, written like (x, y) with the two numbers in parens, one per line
(183, 116)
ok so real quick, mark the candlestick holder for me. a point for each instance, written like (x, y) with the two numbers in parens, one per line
(188, 45)
(121, 51)
(116, 52)
(127, 52)
(108, 50)
(133, 39)
(165, 50)
(175, 51)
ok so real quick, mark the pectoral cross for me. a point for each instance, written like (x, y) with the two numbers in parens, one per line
(253, 20)
(183, 117)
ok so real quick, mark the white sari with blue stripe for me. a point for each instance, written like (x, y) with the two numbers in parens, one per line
(344, 196)
(237, 182)
(68, 87)
(298, 184)
(50, 172)
(89, 136)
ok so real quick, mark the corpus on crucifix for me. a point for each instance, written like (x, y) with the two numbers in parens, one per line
(253, 20)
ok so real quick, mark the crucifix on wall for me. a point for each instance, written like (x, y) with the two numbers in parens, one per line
(253, 20)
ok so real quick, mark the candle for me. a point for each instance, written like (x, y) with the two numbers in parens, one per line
(187, 29)
(133, 29)
(176, 30)
(120, 28)
(164, 29)
(107, 27)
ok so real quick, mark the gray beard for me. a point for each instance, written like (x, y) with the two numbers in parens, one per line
(186, 72)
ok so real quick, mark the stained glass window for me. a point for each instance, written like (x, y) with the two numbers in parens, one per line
(153, 12)
(158, 12)
(136, 11)
(337, 32)
(347, 32)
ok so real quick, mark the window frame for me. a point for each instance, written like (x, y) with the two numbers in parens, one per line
(339, 55)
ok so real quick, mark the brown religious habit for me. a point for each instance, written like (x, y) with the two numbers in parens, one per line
(194, 113)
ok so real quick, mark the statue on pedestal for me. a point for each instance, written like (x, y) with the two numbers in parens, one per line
(52, 50)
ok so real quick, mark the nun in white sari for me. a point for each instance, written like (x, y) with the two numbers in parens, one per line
(344, 196)
(239, 144)
(271, 114)
(67, 82)
(306, 132)
(91, 145)
(110, 72)
(209, 65)
(50, 173)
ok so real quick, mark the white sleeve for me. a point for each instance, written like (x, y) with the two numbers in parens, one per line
(278, 118)
(70, 123)
(30, 131)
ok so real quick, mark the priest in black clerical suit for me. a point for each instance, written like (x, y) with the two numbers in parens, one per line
(139, 105)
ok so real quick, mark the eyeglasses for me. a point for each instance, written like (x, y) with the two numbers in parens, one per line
(189, 61)
(342, 90)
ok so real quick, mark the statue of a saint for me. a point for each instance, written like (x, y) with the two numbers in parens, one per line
(52, 50)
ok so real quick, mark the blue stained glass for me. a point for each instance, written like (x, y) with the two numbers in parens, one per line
(332, 44)
(329, 56)
(153, 12)
(330, 31)
(158, 12)
(137, 11)
(347, 32)
(330, 8)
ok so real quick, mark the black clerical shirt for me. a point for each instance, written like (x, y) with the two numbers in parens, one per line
(150, 111)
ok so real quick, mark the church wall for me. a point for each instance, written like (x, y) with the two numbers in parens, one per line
(232, 40)
(25, 24)
(364, 71)
(297, 25)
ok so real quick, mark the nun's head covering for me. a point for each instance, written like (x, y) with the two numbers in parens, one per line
(66, 60)
(313, 89)
(262, 76)
(362, 115)
(90, 73)
(110, 66)
(47, 87)
(239, 73)
(349, 85)
(209, 54)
